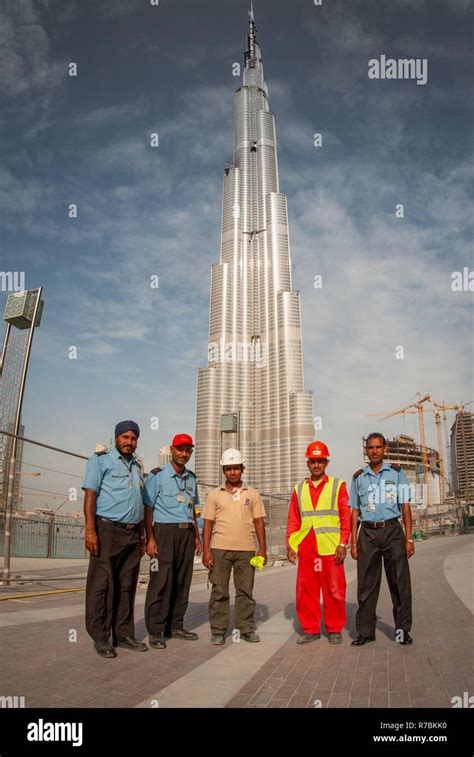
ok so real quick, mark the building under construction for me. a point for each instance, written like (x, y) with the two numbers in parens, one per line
(462, 456)
(403, 450)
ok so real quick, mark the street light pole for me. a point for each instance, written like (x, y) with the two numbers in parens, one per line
(16, 429)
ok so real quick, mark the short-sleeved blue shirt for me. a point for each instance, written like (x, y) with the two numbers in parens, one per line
(162, 491)
(387, 490)
(118, 483)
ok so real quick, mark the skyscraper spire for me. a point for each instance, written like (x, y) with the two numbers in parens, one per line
(255, 361)
(250, 53)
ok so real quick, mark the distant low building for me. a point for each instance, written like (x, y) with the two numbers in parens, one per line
(164, 457)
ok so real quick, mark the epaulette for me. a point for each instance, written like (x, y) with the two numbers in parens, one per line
(192, 473)
(102, 452)
(395, 466)
(357, 473)
(156, 470)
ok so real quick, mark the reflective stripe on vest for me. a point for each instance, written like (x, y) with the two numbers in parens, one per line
(324, 520)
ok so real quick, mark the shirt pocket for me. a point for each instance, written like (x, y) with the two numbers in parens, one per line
(120, 480)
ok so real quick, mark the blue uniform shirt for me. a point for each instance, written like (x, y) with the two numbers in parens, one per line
(379, 496)
(172, 497)
(118, 483)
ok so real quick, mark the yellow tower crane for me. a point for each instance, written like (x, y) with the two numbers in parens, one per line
(418, 407)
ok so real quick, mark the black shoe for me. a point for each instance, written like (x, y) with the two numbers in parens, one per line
(361, 640)
(181, 633)
(104, 649)
(130, 643)
(157, 642)
(308, 637)
(406, 639)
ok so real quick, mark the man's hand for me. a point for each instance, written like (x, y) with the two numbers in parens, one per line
(292, 556)
(198, 545)
(151, 547)
(354, 551)
(410, 549)
(92, 542)
(340, 555)
(262, 554)
(208, 560)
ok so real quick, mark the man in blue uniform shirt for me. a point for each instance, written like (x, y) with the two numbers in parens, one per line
(113, 511)
(379, 494)
(172, 537)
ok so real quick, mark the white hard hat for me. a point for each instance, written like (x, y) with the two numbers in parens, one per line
(232, 457)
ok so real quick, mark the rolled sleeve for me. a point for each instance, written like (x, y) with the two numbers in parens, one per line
(93, 475)
(149, 491)
(258, 509)
(354, 500)
(209, 512)
(405, 493)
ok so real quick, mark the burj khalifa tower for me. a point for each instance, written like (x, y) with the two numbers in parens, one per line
(251, 394)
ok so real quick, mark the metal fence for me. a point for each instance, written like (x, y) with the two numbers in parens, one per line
(48, 525)
(47, 528)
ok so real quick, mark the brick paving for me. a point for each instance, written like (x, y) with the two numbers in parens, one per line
(40, 662)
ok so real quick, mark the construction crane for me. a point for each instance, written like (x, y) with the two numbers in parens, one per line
(418, 407)
(437, 407)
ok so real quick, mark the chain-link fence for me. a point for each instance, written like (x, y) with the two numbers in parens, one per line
(47, 529)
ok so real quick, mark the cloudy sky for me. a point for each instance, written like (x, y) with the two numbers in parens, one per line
(144, 211)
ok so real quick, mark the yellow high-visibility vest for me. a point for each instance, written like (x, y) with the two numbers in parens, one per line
(324, 519)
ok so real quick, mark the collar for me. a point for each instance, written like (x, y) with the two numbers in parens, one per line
(170, 471)
(368, 470)
(244, 486)
(116, 454)
(318, 483)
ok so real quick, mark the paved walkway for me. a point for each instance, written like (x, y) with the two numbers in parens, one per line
(48, 657)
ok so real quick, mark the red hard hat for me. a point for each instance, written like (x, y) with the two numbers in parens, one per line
(317, 449)
(182, 439)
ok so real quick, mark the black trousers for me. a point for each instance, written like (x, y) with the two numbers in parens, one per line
(112, 583)
(373, 545)
(170, 579)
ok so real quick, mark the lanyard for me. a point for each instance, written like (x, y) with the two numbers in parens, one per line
(183, 488)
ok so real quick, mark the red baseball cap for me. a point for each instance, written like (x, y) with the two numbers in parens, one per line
(182, 439)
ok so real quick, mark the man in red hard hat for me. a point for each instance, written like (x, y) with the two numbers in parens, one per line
(318, 530)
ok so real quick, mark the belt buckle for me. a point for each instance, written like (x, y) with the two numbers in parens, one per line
(380, 524)
(130, 525)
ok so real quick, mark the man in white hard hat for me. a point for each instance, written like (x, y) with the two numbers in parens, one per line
(233, 515)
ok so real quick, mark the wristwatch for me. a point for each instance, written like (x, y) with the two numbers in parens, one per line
(410, 541)
(343, 545)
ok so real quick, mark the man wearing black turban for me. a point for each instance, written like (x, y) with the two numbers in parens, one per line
(113, 510)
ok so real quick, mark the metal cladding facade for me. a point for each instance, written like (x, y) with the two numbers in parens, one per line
(255, 360)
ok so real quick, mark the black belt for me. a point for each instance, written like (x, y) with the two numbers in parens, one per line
(128, 526)
(176, 525)
(378, 523)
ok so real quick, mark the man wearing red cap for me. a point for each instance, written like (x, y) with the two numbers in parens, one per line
(172, 538)
(317, 533)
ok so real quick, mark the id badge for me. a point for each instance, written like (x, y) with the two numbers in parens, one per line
(371, 507)
(180, 498)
